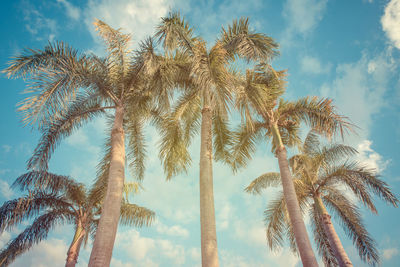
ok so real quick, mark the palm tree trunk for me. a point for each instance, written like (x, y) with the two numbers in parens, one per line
(334, 241)
(209, 249)
(74, 248)
(107, 229)
(303, 242)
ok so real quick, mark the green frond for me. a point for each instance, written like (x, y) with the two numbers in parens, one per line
(351, 175)
(239, 40)
(311, 143)
(131, 188)
(135, 215)
(32, 235)
(99, 187)
(264, 181)
(350, 218)
(321, 239)
(45, 182)
(244, 144)
(276, 219)
(174, 31)
(318, 114)
(136, 146)
(55, 76)
(333, 153)
(173, 148)
(83, 109)
(117, 45)
(13, 212)
(222, 139)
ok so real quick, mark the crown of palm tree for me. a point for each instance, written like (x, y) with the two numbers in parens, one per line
(58, 200)
(325, 172)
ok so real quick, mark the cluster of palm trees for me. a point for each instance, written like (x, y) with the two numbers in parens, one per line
(188, 88)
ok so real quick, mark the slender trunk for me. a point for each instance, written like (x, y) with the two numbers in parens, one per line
(107, 229)
(334, 241)
(74, 248)
(303, 242)
(209, 249)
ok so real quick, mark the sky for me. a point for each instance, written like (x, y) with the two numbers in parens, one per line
(345, 50)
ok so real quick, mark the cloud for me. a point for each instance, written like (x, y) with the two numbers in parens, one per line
(72, 11)
(5, 190)
(303, 15)
(52, 252)
(37, 24)
(391, 22)
(366, 155)
(6, 148)
(146, 248)
(175, 230)
(359, 90)
(389, 253)
(136, 17)
(310, 64)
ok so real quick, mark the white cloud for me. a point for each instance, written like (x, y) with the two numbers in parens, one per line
(5, 189)
(52, 252)
(389, 253)
(37, 24)
(141, 249)
(391, 22)
(174, 252)
(359, 90)
(142, 245)
(136, 17)
(303, 15)
(4, 238)
(175, 230)
(366, 155)
(72, 11)
(6, 148)
(310, 64)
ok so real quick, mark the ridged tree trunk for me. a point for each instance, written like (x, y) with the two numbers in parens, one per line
(107, 229)
(209, 249)
(334, 241)
(302, 241)
(74, 248)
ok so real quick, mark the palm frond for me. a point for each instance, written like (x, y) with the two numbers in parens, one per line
(56, 74)
(222, 139)
(239, 40)
(263, 181)
(351, 221)
(321, 239)
(173, 148)
(15, 211)
(32, 235)
(136, 146)
(135, 215)
(174, 31)
(244, 144)
(117, 46)
(319, 114)
(83, 109)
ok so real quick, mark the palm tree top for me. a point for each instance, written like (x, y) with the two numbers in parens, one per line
(326, 172)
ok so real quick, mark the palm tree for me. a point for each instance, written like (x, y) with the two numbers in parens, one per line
(69, 89)
(53, 200)
(279, 120)
(321, 174)
(206, 98)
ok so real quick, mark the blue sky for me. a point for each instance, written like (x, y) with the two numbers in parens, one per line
(346, 50)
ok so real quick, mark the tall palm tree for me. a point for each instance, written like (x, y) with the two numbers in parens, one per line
(268, 117)
(53, 200)
(69, 89)
(320, 176)
(207, 98)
